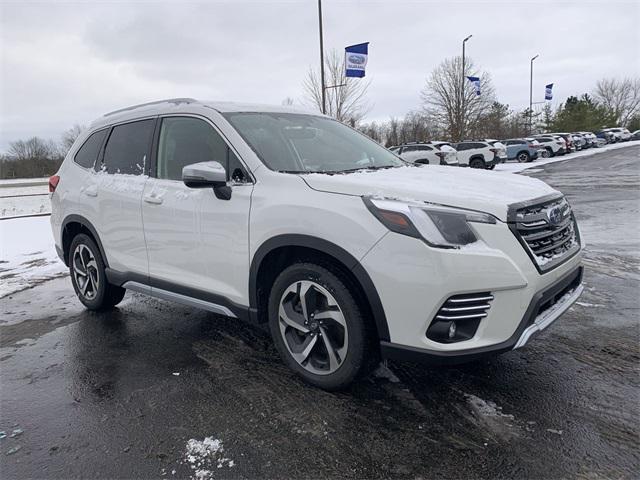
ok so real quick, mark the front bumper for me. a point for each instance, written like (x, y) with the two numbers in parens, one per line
(414, 281)
(544, 309)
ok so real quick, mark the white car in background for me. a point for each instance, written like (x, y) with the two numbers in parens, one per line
(502, 148)
(478, 154)
(620, 134)
(552, 145)
(427, 154)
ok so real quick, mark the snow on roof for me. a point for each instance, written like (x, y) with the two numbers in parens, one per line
(185, 105)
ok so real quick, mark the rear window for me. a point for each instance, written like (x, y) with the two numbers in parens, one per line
(88, 153)
(127, 149)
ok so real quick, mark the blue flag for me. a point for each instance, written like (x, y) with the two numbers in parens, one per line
(355, 60)
(476, 83)
(548, 94)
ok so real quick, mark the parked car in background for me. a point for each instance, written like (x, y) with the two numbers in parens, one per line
(476, 154)
(568, 138)
(608, 137)
(635, 135)
(502, 148)
(427, 154)
(552, 145)
(590, 138)
(521, 150)
(621, 134)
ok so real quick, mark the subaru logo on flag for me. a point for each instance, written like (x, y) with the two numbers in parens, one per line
(355, 60)
(476, 83)
(548, 94)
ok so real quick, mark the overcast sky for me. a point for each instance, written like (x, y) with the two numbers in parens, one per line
(70, 62)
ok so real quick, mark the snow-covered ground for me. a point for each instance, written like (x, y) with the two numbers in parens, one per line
(515, 167)
(27, 254)
(25, 196)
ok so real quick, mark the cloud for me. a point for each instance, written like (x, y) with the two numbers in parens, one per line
(66, 63)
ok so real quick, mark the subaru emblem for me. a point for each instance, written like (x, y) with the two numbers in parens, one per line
(554, 215)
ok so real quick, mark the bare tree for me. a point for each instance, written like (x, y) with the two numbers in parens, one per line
(621, 97)
(69, 136)
(450, 100)
(346, 102)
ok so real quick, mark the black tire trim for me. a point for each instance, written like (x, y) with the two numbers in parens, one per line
(403, 353)
(331, 249)
(87, 224)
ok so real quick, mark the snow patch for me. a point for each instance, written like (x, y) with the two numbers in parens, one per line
(203, 456)
(27, 254)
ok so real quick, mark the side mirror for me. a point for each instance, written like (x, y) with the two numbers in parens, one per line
(204, 175)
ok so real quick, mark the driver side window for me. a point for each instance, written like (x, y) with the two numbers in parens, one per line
(187, 140)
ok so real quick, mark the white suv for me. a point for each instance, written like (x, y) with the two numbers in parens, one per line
(479, 154)
(297, 221)
(427, 154)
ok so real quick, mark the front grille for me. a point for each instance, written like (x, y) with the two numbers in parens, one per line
(547, 231)
(459, 317)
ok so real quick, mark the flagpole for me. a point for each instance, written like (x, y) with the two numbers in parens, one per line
(531, 97)
(462, 91)
(322, 87)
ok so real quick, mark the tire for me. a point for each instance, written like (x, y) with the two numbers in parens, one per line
(477, 163)
(97, 293)
(523, 157)
(345, 330)
(491, 167)
(547, 153)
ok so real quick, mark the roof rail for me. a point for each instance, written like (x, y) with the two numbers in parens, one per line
(168, 100)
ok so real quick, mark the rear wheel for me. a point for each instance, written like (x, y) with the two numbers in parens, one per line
(546, 153)
(88, 276)
(477, 163)
(318, 327)
(523, 157)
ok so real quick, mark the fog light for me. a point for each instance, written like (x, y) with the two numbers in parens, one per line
(452, 330)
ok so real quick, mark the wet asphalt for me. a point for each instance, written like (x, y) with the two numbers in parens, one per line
(119, 394)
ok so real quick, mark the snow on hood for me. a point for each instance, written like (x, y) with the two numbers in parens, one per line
(487, 191)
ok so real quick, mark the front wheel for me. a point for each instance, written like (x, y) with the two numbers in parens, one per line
(88, 276)
(318, 327)
(524, 157)
(546, 153)
(477, 163)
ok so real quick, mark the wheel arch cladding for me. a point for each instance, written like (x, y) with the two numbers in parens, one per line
(279, 252)
(74, 225)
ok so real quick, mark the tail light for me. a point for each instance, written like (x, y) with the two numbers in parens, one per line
(53, 183)
(494, 150)
(441, 154)
(531, 145)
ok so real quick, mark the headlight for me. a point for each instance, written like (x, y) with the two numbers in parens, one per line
(439, 226)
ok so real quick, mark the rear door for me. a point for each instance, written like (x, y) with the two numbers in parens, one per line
(120, 182)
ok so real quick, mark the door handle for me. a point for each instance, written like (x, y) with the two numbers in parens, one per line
(91, 191)
(153, 200)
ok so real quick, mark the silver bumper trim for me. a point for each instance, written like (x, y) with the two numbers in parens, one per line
(549, 316)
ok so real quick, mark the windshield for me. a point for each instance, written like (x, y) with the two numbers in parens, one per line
(298, 143)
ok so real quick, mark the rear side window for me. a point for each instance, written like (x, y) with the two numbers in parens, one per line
(128, 147)
(88, 153)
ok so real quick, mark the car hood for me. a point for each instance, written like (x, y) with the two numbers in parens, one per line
(487, 191)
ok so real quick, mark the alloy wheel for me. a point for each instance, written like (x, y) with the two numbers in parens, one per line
(313, 327)
(85, 271)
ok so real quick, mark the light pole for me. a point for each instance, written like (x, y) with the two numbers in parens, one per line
(322, 88)
(462, 90)
(531, 97)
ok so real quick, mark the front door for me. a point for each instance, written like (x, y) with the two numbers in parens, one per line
(198, 244)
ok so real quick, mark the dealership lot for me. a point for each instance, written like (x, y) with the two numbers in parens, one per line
(135, 392)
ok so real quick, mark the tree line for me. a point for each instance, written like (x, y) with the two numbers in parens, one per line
(451, 110)
(36, 156)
